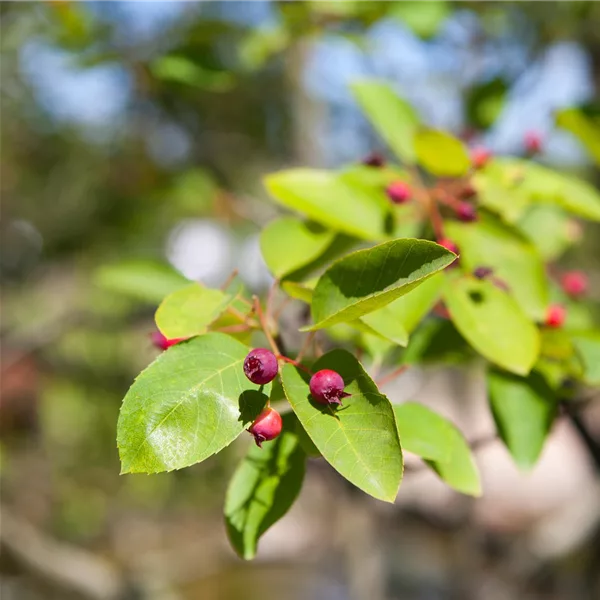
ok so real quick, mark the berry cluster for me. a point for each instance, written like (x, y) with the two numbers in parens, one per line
(261, 367)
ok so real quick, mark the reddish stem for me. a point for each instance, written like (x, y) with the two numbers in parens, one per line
(295, 363)
(391, 376)
(265, 325)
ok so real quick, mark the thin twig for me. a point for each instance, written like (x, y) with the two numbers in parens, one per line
(242, 317)
(230, 279)
(265, 325)
(295, 363)
(307, 342)
(271, 299)
(391, 376)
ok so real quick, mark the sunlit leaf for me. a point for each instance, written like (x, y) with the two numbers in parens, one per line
(587, 344)
(441, 154)
(584, 126)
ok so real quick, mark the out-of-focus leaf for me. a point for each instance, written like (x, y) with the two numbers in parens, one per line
(369, 279)
(359, 440)
(190, 310)
(392, 117)
(587, 344)
(524, 408)
(325, 197)
(182, 70)
(493, 323)
(289, 243)
(190, 403)
(585, 127)
(143, 280)
(515, 260)
(423, 432)
(260, 45)
(263, 488)
(424, 18)
(441, 154)
(299, 291)
(485, 102)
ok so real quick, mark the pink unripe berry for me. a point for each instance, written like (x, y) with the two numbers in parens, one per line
(327, 387)
(448, 244)
(483, 272)
(260, 366)
(575, 283)
(162, 342)
(480, 156)
(375, 159)
(556, 315)
(398, 192)
(266, 427)
(533, 142)
(466, 212)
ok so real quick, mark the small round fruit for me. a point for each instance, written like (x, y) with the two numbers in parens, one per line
(260, 366)
(466, 212)
(327, 387)
(162, 342)
(575, 283)
(533, 142)
(266, 427)
(398, 192)
(480, 156)
(448, 244)
(375, 159)
(556, 315)
(483, 272)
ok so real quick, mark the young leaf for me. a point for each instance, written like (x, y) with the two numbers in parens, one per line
(515, 261)
(399, 318)
(549, 229)
(585, 127)
(393, 118)
(369, 279)
(190, 310)
(299, 291)
(325, 197)
(263, 488)
(523, 408)
(289, 243)
(191, 402)
(143, 280)
(423, 432)
(459, 471)
(441, 154)
(359, 440)
(492, 322)
(587, 344)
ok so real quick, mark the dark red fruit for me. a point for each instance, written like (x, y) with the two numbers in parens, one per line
(260, 366)
(375, 159)
(480, 156)
(398, 192)
(575, 283)
(533, 142)
(556, 315)
(327, 387)
(466, 212)
(483, 272)
(448, 244)
(162, 342)
(266, 427)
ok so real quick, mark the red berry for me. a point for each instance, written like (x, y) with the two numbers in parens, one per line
(327, 387)
(398, 192)
(260, 366)
(533, 142)
(483, 272)
(480, 156)
(375, 159)
(266, 427)
(575, 283)
(448, 244)
(162, 342)
(466, 212)
(556, 315)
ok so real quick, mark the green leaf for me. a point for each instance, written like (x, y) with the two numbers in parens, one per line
(289, 243)
(441, 153)
(183, 70)
(399, 318)
(459, 471)
(423, 432)
(299, 291)
(485, 102)
(424, 18)
(359, 440)
(587, 344)
(585, 127)
(523, 408)
(143, 280)
(190, 310)
(515, 260)
(392, 117)
(190, 403)
(368, 279)
(492, 322)
(325, 197)
(263, 488)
